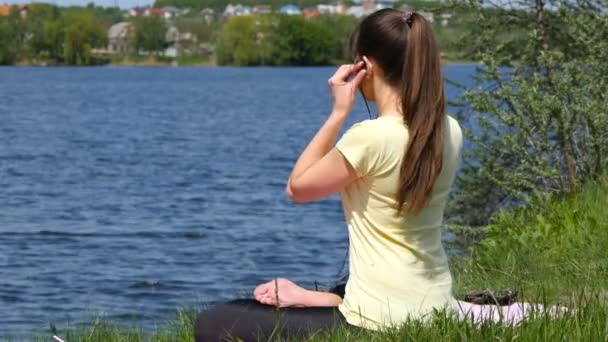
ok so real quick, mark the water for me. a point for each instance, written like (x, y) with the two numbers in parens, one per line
(130, 192)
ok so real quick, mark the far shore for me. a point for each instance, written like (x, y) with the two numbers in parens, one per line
(190, 63)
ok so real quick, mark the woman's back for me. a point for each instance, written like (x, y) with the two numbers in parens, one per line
(398, 267)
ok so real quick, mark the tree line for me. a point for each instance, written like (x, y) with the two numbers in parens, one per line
(70, 35)
(284, 40)
(64, 35)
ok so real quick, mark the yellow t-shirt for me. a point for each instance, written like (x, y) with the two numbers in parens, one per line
(398, 267)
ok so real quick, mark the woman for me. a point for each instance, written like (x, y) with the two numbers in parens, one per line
(394, 174)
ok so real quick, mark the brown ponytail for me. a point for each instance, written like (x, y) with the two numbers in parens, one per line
(423, 103)
(405, 48)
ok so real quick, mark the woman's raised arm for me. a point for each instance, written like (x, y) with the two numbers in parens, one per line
(322, 170)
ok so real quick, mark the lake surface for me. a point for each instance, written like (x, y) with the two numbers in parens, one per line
(128, 193)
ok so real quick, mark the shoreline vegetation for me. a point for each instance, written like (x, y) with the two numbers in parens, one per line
(43, 34)
(152, 61)
(551, 251)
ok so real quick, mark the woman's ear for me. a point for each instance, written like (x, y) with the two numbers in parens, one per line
(369, 67)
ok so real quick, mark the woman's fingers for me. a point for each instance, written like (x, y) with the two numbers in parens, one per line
(344, 72)
(358, 79)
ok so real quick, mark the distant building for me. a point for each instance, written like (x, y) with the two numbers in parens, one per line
(149, 11)
(208, 14)
(332, 9)
(184, 43)
(5, 10)
(290, 9)
(119, 36)
(159, 12)
(137, 11)
(359, 11)
(262, 9)
(310, 12)
(172, 12)
(234, 10)
(369, 5)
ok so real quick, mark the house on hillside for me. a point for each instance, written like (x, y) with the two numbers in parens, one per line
(369, 5)
(119, 37)
(290, 9)
(159, 12)
(137, 11)
(332, 9)
(5, 10)
(208, 14)
(185, 43)
(310, 12)
(360, 11)
(172, 12)
(149, 11)
(262, 9)
(233, 10)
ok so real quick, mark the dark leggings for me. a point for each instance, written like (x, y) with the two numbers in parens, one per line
(248, 320)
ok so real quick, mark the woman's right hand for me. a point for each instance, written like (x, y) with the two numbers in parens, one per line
(344, 92)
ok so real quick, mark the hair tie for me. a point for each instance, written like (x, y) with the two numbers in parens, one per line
(409, 17)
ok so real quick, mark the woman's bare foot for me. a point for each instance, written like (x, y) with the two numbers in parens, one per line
(288, 293)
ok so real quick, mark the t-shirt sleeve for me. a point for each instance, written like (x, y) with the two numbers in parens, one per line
(360, 145)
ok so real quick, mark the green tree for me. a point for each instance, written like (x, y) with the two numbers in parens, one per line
(19, 30)
(53, 37)
(82, 33)
(45, 26)
(149, 34)
(341, 27)
(301, 42)
(539, 113)
(107, 16)
(8, 42)
(245, 40)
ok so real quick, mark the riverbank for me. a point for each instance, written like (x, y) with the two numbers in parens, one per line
(159, 61)
(553, 252)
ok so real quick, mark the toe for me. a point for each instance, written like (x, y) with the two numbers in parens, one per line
(261, 289)
(267, 300)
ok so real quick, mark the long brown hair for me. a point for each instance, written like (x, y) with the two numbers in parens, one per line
(404, 47)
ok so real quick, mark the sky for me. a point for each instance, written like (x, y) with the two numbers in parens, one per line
(121, 3)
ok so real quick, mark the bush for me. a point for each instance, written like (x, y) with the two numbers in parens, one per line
(539, 116)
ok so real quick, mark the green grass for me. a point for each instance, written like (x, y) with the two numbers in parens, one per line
(555, 251)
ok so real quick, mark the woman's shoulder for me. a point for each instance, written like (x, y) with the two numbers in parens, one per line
(454, 129)
(380, 130)
(383, 126)
(453, 122)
